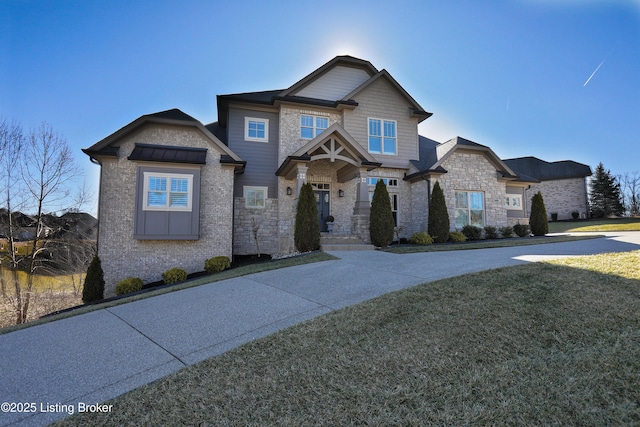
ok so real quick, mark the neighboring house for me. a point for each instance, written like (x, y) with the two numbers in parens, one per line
(175, 192)
(563, 185)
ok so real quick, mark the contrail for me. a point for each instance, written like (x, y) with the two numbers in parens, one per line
(595, 71)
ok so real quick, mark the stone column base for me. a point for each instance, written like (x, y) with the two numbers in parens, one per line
(360, 227)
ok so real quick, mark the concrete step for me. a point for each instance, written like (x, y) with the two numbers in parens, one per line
(346, 247)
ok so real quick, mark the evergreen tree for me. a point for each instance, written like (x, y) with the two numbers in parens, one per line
(538, 219)
(381, 222)
(93, 282)
(438, 215)
(604, 196)
(307, 230)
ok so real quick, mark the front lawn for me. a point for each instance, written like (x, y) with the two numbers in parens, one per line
(537, 344)
(598, 225)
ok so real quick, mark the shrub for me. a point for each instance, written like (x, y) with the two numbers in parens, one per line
(457, 236)
(128, 285)
(554, 216)
(217, 263)
(521, 230)
(538, 218)
(438, 215)
(174, 275)
(307, 230)
(506, 232)
(575, 215)
(381, 222)
(93, 282)
(491, 232)
(421, 238)
(472, 232)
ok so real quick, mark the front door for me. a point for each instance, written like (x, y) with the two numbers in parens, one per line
(322, 202)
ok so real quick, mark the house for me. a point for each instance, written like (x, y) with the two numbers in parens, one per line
(175, 192)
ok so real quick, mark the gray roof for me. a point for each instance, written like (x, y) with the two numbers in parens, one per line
(545, 171)
(163, 153)
(426, 152)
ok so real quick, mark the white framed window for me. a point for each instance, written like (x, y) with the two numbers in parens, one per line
(389, 182)
(256, 129)
(255, 197)
(514, 202)
(167, 192)
(382, 136)
(312, 126)
(469, 208)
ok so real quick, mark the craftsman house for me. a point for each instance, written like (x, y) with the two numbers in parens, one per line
(175, 192)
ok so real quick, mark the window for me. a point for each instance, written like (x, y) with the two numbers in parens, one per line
(167, 191)
(256, 129)
(469, 208)
(255, 197)
(382, 136)
(312, 126)
(389, 182)
(514, 201)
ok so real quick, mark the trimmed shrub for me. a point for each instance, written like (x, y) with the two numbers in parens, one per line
(457, 236)
(128, 285)
(381, 222)
(522, 230)
(306, 235)
(472, 232)
(538, 219)
(174, 275)
(506, 232)
(421, 238)
(217, 263)
(575, 215)
(438, 215)
(491, 232)
(93, 289)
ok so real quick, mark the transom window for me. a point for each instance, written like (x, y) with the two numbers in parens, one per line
(255, 197)
(167, 192)
(469, 208)
(514, 201)
(256, 129)
(312, 126)
(382, 136)
(389, 182)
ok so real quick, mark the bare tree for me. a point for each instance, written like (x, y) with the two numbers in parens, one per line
(630, 183)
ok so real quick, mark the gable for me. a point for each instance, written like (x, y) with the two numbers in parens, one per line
(335, 84)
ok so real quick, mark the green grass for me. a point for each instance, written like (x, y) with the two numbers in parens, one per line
(484, 244)
(537, 344)
(614, 224)
(226, 274)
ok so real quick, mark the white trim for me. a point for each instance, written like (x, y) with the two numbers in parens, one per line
(167, 190)
(247, 120)
(247, 189)
(382, 136)
(314, 128)
(514, 202)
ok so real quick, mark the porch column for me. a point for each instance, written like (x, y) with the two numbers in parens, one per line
(362, 206)
(301, 177)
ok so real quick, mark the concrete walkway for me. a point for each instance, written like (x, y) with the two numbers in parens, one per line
(51, 370)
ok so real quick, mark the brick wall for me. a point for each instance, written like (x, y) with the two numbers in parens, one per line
(562, 196)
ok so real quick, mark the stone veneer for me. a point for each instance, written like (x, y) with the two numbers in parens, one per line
(561, 196)
(468, 171)
(123, 256)
(266, 223)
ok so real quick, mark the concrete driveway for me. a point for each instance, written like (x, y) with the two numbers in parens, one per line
(52, 370)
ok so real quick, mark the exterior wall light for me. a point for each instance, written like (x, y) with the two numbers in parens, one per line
(289, 191)
(340, 193)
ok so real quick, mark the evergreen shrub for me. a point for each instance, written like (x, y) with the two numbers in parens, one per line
(438, 215)
(491, 232)
(93, 289)
(472, 232)
(421, 238)
(381, 222)
(174, 275)
(216, 264)
(307, 229)
(506, 232)
(522, 230)
(457, 236)
(538, 219)
(128, 285)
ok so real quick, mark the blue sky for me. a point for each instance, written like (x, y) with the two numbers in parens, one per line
(507, 74)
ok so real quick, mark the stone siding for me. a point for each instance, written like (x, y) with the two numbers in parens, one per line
(469, 171)
(290, 140)
(266, 222)
(561, 196)
(123, 256)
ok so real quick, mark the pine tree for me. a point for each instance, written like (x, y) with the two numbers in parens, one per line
(93, 282)
(438, 215)
(604, 196)
(381, 222)
(538, 219)
(307, 230)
